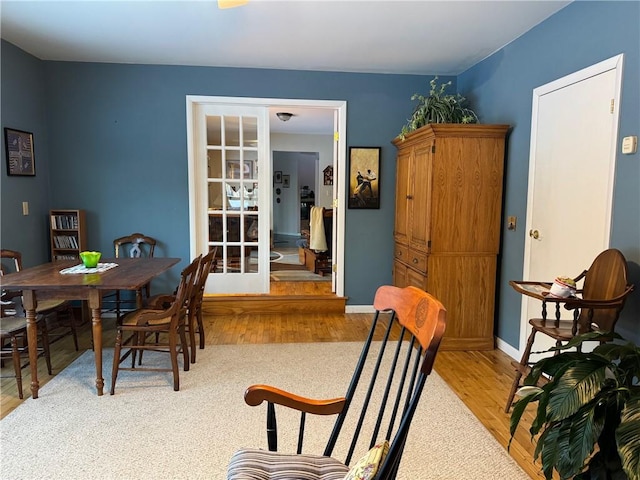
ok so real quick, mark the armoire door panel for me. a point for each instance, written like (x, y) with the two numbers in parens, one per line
(419, 213)
(467, 195)
(402, 198)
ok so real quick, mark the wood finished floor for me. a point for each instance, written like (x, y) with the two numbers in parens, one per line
(480, 379)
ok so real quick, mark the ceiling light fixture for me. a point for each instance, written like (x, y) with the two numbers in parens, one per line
(231, 3)
(284, 116)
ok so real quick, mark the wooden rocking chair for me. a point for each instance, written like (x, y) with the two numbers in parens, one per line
(411, 323)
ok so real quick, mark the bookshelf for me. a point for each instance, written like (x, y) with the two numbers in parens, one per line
(67, 233)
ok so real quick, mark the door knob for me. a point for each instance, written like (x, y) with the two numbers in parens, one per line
(534, 234)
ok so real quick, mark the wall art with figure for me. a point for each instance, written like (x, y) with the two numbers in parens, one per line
(364, 179)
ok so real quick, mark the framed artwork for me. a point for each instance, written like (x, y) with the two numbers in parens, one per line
(277, 177)
(285, 181)
(328, 175)
(364, 181)
(19, 150)
(233, 169)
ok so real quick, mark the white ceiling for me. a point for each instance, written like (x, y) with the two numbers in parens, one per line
(423, 37)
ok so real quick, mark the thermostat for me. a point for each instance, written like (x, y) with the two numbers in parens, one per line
(629, 145)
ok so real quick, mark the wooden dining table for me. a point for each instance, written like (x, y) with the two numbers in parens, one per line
(45, 281)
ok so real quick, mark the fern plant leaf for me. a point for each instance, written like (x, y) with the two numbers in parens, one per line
(577, 386)
(628, 435)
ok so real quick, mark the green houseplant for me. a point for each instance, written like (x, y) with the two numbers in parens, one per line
(438, 107)
(591, 399)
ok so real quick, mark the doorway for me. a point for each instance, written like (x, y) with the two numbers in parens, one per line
(199, 180)
(574, 135)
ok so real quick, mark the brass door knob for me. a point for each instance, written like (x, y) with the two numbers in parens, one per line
(534, 234)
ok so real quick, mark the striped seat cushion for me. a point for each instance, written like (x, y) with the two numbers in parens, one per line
(254, 464)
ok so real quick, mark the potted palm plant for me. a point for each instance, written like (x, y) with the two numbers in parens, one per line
(438, 107)
(588, 413)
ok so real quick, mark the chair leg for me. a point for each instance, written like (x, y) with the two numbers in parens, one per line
(141, 340)
(17, 366)
(117, 305)
(173, 352)
(116, 360)
(192, 335)
(200, 327)
(72, 325)
(524, 361)
(185, 347)
(44, 338)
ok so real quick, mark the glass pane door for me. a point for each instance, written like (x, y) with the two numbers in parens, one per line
(236, 225)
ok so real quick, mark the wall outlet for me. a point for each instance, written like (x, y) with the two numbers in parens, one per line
(629, 145)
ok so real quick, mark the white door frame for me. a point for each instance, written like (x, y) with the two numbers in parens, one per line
(613, 63)
(339, 162)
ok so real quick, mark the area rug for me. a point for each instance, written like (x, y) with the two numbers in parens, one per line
(148, 431)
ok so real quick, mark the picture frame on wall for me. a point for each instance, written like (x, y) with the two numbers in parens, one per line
(233, 169)
(285, 180)
(364, 177)
(277, 176)
(19, 152)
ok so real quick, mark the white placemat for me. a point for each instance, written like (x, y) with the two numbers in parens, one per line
(102, 267)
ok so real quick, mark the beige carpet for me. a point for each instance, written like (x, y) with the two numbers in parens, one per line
(149, 431)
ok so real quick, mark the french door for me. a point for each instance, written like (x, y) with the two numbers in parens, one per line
(229, 179)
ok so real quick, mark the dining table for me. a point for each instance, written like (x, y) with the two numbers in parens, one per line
(68, 280)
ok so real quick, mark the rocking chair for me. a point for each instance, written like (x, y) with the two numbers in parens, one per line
(411, 323)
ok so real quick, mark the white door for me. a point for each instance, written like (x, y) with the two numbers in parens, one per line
(571, 173)
(230, 175)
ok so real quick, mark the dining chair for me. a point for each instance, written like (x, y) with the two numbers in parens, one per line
(143, 324)
(596, 306)
(407, 327)
(13, 339)
(135, 245)
(58, 314)
(194, 323)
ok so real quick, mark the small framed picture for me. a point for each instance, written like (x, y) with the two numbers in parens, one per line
(328, 175)
(19, 150)
(277, 177)
(364, 181)
(285, 181)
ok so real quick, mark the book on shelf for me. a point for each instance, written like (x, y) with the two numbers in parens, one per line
(64, 222)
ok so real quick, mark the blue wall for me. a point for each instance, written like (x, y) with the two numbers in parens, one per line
(501, 88)
(117, 134)
(23, 108)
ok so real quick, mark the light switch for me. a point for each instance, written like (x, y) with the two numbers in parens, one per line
(511, 223)
(25, 208)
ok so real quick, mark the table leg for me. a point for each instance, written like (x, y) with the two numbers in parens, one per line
(29, 303)
(95, 304)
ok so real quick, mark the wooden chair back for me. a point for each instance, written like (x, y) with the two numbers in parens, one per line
(397, 358)
(421, 320)
(10, 262)
(604, 292)
(134, 245)
(12, 258)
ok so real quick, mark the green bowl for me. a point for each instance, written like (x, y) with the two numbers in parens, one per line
(90, 259)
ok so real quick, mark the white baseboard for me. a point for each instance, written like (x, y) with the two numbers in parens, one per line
(359, 309)
(508, 349)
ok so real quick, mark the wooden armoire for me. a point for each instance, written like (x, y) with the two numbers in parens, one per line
(447, 223)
